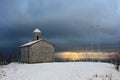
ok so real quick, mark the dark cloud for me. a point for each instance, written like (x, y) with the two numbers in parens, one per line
(66, 23)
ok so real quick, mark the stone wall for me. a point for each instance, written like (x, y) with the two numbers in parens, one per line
(24, 54)
(41, 52)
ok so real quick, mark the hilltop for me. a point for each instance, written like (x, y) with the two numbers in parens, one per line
(59, 71)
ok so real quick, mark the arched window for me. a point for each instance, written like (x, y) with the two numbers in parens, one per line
(37, 37)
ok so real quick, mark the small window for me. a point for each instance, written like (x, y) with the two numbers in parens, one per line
(37, 37)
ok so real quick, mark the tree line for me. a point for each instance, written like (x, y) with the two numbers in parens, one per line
(114, 59)
(12, 58)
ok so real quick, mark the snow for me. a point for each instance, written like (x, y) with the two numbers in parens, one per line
(37, 30)
(30, 43)
(60, 71)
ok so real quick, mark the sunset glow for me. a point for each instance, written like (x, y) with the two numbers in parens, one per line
(84, 55)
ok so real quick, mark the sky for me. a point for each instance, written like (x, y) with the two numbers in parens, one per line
(69, 24)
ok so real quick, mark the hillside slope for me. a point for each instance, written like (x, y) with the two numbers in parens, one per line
(59, 71)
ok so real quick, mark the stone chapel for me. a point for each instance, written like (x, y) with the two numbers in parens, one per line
(38, 50)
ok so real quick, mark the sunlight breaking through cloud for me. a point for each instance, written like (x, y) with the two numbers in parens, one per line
(74, 56)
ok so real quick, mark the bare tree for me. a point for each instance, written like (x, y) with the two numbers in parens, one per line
(12, 57)
(2, 60)
(116, 60)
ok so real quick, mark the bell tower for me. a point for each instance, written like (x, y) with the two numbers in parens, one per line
(36, 34)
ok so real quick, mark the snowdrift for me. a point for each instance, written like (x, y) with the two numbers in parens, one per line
(60, 71)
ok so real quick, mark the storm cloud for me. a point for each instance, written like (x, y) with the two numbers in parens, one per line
(67, 23)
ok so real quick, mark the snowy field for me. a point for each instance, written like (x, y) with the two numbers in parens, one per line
(59, 71)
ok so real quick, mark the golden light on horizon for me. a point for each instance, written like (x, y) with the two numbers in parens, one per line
(83, 55)
(69, 55)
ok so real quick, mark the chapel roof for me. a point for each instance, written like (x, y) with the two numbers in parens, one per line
(33, 42)
(37, 30)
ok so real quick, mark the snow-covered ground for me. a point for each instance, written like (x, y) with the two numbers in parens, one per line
(59, 71)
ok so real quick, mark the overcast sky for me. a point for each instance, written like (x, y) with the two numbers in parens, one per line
(67, 23)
